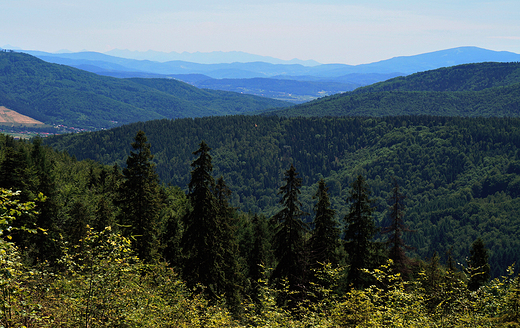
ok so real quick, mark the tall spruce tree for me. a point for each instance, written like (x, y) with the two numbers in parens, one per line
(360, 230)
(229, 244)
(141, 200)
(396, 244)
(289, 235)
(325, 236)
(478, 265)
(208, 242)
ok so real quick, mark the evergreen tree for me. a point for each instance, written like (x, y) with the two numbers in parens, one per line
(259, 255)
(396, 244)
(173, 213)
(478, 265)
(45, 246)
(12, 170)
(140, 199)
(360, 230)
(325, 236)
(229, 244)
(208, 242)
(289, 235)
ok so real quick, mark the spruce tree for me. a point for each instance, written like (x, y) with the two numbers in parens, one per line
(396, 244)
(360, 230)
(140, 199)
(258, 258)
(208, 242)
(478, 265)
(325, 236)
(46, 246)
(229, 244)
(289, 235)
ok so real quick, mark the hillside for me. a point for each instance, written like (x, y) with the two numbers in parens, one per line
(11, 118)
(456, 173)
(483, 89)
(56, 94)
(468, 77)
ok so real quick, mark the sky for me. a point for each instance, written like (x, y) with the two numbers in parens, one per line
(327, 31)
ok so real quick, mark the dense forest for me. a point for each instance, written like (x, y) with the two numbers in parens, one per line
(84, 244)
(456, 173)
(471, 90)
(57, 94)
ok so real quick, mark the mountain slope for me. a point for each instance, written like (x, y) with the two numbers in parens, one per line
(57, 94)
(468, 77)
(484, 89)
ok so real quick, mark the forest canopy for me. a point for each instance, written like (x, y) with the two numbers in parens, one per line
(456, 173)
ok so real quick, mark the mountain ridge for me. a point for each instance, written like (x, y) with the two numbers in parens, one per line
(59, 94)
(481, 89)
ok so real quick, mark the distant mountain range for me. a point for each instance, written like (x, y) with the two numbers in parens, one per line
(61, 95)
(214, 57)
(308, 81)
(404, 65)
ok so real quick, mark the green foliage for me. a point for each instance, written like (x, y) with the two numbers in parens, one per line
(395, 231)
(16, 308)
(478, 265)
(360, 230)
(209, 244)
(324, 242)
(460, 175)
(289, 242)
(472, 90)
(58, 94)
(141, 199)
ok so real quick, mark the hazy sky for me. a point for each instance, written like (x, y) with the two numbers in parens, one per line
(328, 31)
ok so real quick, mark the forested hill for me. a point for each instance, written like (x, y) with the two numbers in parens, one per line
(461, 176)
(469, 77)
(57, 94)
(483, 89)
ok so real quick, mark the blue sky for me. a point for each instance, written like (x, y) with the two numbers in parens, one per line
(328, 31)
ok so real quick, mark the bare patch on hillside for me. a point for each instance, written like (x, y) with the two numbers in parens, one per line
(11, 118)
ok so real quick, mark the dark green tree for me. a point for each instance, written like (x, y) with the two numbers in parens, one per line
(173, 214)
(228, 244)
(360, 230)
(289, 239)
(12, 170)
(259, 255)
(478, 265)
(45, 246)
(396, 244)
(141, 200)
(325, 242)
(209, 259)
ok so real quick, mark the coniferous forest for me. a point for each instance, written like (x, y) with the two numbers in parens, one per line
(249, 221)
